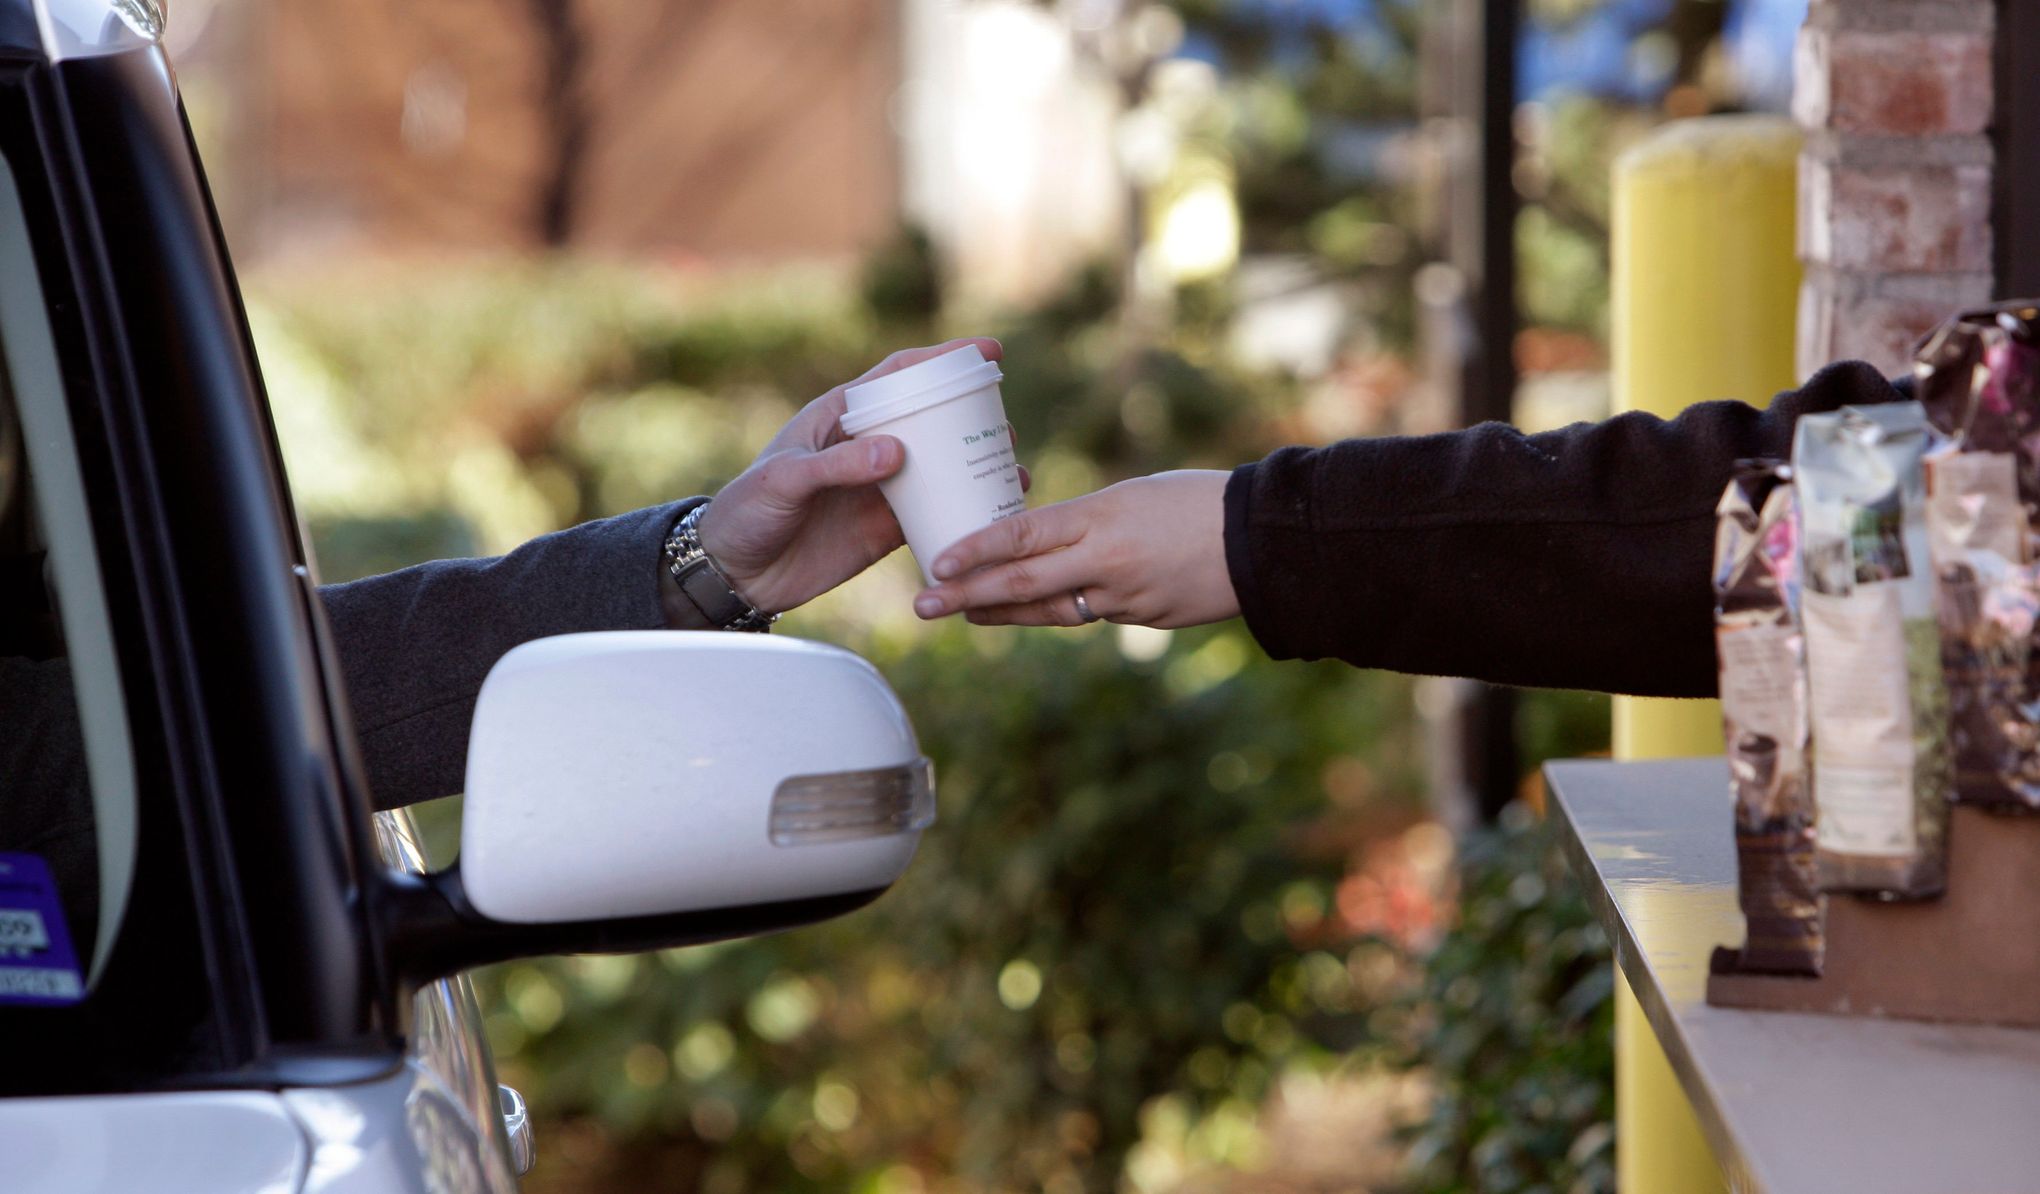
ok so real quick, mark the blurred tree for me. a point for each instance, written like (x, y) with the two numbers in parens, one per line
(902, 282)
(1318, 99)
(566, 117)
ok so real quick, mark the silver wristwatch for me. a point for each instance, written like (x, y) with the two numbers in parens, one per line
(704, 584)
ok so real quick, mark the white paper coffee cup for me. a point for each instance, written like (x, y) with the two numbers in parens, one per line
(961, 474)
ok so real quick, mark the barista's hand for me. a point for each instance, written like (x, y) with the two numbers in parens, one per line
(1149, 551)
(807, 515)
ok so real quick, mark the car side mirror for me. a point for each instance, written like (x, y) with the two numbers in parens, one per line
(638, 790)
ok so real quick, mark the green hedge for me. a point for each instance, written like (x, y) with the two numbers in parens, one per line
(1513, 1022)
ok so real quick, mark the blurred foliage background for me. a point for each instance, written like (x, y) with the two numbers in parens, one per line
(1171, 885)
(1189, 921)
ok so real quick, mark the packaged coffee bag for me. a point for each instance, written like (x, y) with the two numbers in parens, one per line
(1763, 709)
(1978, 376)
(1881, 767)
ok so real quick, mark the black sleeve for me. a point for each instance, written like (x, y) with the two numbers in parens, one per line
(415, 645)
(1576, 558)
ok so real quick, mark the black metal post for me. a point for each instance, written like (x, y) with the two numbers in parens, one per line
(1490, 379)
(1467, 322)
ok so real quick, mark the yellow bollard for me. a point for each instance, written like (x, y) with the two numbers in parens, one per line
(1658, 1145)
(1705, 289)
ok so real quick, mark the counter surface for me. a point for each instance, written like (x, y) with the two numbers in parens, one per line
(1792, 1103)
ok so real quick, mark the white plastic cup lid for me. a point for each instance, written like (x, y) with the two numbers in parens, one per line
(916, 388)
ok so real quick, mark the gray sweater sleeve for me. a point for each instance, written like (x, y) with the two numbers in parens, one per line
(415, 645)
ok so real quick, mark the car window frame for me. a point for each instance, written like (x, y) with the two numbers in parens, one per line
(159, 998)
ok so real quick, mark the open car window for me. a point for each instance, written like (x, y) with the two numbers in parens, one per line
(67, 776)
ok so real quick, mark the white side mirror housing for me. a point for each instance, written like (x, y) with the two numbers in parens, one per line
(652, 773)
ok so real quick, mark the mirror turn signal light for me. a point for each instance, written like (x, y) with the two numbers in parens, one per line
(843, 806)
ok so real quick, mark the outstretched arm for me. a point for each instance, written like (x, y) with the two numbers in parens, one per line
(1576, 558)
(415, 645)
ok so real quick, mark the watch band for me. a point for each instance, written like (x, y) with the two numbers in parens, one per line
(704, 585)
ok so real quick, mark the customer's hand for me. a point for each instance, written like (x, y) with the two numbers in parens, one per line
(1150, 551)
(807, 515)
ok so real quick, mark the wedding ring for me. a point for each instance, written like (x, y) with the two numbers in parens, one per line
(1083, 607)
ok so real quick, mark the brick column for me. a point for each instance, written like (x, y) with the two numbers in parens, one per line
(1895, 177)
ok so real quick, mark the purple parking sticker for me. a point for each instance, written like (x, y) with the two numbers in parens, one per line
(37, 963)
